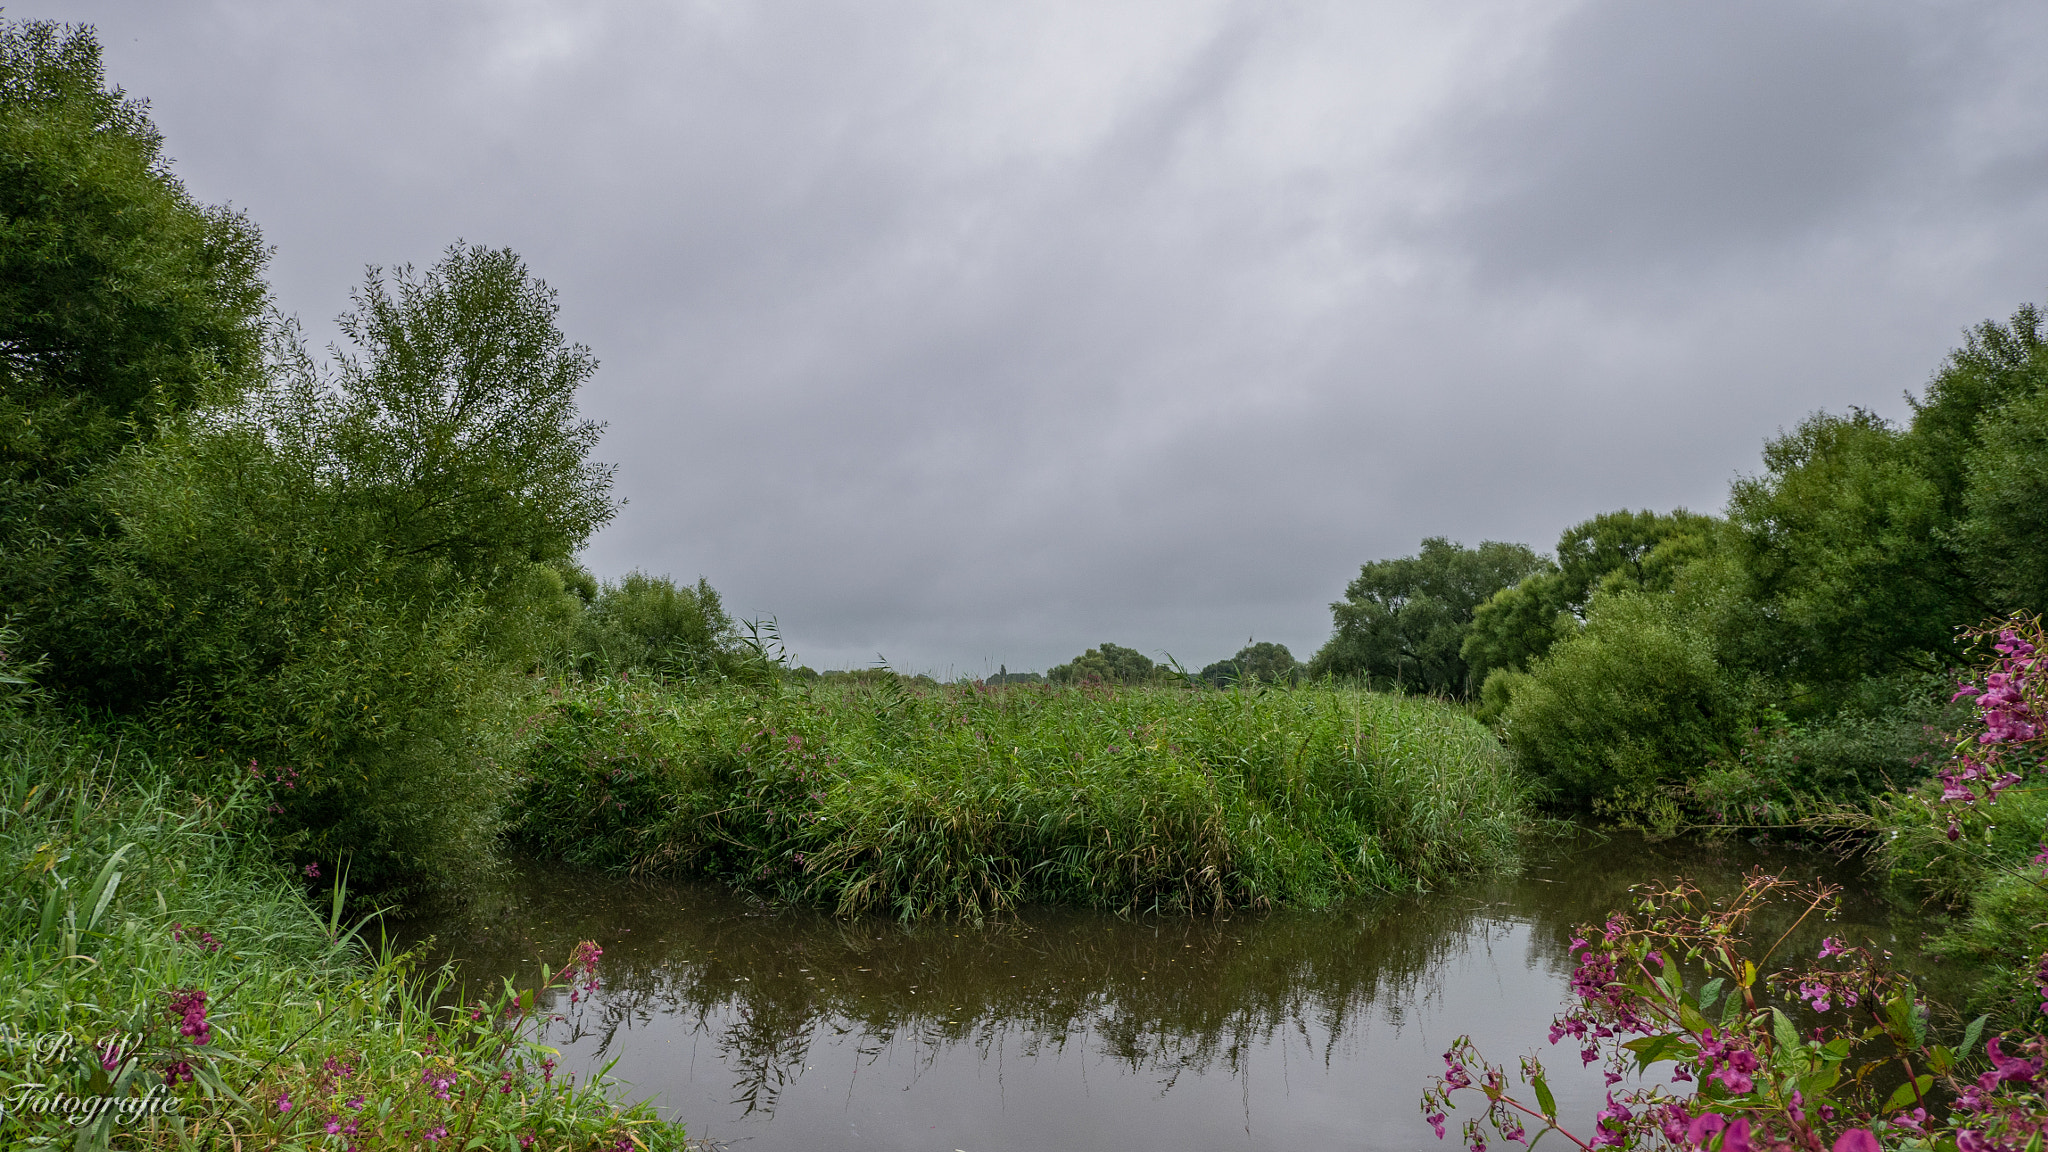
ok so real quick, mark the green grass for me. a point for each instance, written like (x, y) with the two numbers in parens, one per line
(120, 893)
(964, 801)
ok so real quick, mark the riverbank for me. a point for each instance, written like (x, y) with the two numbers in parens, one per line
(153, 951)
(965, 801)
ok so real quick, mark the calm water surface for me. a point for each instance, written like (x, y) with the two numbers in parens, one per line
(795, 1032)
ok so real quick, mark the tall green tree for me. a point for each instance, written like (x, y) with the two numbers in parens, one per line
(1841, 557)
(122, 302)
(2004, 529)
(340, 575)
(1614, 551)
(1402, 622)
(1981, 434)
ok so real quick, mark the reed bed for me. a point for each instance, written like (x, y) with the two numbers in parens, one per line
(965, 801)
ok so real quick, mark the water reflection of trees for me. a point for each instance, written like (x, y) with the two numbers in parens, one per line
(1160, 997)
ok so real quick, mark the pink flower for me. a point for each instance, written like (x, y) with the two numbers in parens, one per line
(191, 1005)
(1856, 1140)
(284, 1103)
(1734, 1133)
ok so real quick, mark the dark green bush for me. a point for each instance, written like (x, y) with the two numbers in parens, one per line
(649, 624)
(1634, 701)
(344, 579)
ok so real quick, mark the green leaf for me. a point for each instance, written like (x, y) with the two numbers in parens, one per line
(1711, 992)
(1650, 1049)
(1908, 1092)
(1782, 1030)
(1971, 1033)
(1544, 1099)
(103, 888)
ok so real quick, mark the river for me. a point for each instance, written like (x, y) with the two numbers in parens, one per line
(791, 1031)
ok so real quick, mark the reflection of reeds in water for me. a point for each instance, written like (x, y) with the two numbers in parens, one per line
(1160, 996)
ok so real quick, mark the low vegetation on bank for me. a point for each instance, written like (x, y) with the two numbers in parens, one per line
(168, 983)
(964, 800)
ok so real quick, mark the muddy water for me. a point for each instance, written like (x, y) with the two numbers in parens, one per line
(772, 1031)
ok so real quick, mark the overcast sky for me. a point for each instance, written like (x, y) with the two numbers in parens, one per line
(977, 334)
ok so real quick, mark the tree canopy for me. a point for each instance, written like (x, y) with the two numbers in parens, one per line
(1402, 622)
(1264, 662)
(122, 300)
(1111, 664)
(1611, 551)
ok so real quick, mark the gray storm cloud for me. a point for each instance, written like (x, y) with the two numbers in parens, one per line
(966, 334)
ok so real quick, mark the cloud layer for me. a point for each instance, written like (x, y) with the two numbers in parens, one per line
(968, 335)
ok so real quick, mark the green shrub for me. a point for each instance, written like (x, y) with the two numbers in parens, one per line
(1109, 664)
(344, 578)
(968, 801)
(251, 615)
(1634, 701)
(648, 624)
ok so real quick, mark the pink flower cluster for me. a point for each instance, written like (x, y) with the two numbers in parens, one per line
(2010, 705)
(1606, 1009)
(2006, 702)
(1821, 996)
(582, 970)
(191, 1005)
(438, 1082)
(1994, 1125)
(1726, 1060)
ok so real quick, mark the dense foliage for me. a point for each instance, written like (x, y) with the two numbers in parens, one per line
(1762, 666)
(122, 302)
(1264, 662)
(967, 801)
(1109, 664)
(1402, 622)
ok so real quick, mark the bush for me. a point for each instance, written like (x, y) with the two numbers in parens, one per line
(647, 624)
(1634, 701)
(968, 801)
(341, 582)
(253, 619)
